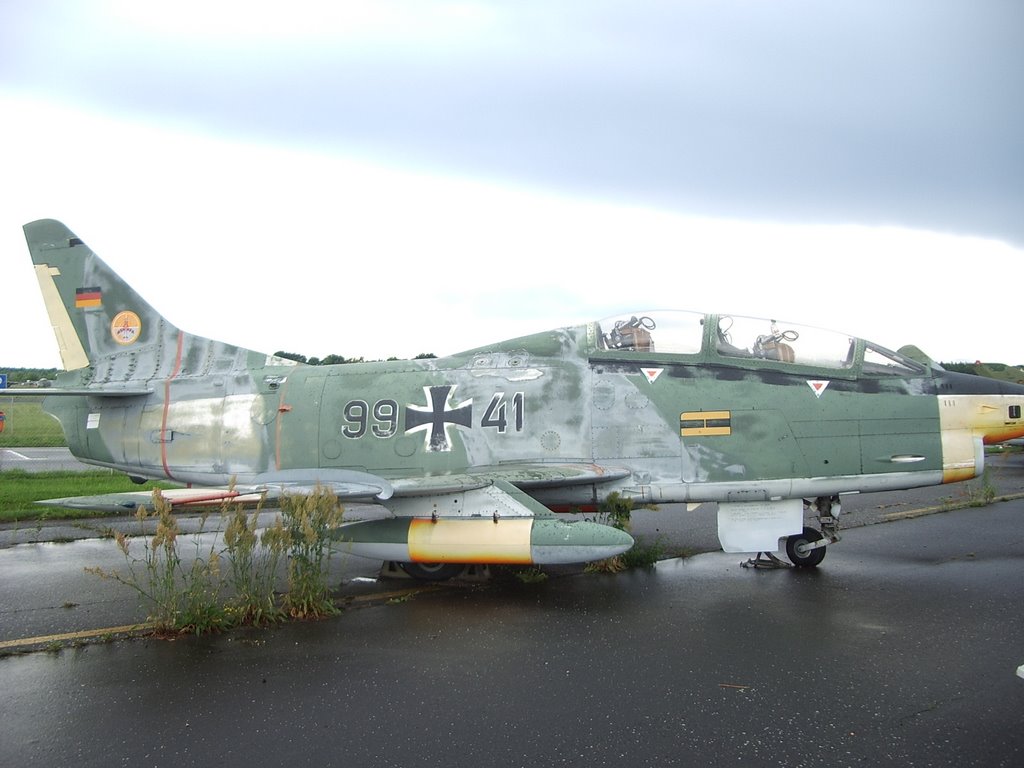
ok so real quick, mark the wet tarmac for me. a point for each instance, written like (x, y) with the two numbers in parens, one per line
(902, 649)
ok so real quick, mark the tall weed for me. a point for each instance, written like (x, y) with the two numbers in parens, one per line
(180, 599)
(254, 560)
(308, 521)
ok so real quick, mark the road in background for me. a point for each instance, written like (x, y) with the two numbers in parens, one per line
(41, 460)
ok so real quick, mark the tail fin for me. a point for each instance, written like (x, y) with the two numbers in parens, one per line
(94, 313)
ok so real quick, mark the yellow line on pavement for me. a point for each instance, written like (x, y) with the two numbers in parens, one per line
(909, 514)
(89, 634)
(83, 635)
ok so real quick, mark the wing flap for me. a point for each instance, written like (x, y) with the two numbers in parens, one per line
(345, 483)
(497, 499)
(525, 476)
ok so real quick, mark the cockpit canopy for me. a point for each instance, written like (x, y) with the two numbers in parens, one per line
(747, 338)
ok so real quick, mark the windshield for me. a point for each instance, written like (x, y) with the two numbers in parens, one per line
(752, 338)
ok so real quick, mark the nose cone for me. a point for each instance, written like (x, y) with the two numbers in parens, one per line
(555, 542)
(988, 408)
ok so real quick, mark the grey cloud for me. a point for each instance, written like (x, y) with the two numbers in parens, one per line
(898, 113)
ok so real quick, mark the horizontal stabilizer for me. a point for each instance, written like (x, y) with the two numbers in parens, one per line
(117, 503)
(105, 391)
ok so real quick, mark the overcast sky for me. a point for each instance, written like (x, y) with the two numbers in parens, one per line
(389, 178)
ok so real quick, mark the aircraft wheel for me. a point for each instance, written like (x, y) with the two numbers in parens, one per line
(432, 571)
(801, 558)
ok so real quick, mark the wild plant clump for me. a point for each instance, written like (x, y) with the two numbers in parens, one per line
(204, 597)
(181, 599)
(254, 560)
(617, 512)
(308, 521)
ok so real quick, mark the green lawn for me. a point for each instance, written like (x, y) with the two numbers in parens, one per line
(27, 426)
(19, 489)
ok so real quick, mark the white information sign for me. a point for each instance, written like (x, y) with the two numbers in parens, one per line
(757, 526)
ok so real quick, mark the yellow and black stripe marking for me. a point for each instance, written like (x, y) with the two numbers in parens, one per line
(705, 423)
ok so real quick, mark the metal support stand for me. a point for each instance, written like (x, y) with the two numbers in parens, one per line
(767, 561)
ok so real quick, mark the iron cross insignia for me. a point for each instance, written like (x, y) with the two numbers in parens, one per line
(435, 418)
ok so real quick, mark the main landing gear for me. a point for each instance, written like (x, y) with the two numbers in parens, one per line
(432, 571)
(807, 548)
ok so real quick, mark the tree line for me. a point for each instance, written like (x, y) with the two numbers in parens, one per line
(341, 359)
(23, 376)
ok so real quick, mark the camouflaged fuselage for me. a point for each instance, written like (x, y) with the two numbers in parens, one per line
(662, 407)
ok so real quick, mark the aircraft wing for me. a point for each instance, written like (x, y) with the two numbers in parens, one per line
(271, 486)
(352, 485)
(129, 501)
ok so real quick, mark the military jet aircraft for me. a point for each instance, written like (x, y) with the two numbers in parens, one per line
(474, 453)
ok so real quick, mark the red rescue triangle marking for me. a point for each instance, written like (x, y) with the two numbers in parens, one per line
(652, 374)
(817, 387)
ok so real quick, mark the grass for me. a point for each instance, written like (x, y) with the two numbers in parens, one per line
(617, 512)
(979, 492)
(26, 425)
(532, 575)
(21, 489)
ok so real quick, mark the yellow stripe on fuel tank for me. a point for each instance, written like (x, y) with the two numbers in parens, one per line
(471, 540)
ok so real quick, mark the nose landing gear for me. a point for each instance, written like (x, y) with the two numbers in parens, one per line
(801, 549)
(807, 548)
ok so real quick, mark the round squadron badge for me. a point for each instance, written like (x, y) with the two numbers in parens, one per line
(125, 327)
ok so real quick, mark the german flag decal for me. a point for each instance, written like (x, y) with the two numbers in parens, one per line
(705, 423)
(86, 298)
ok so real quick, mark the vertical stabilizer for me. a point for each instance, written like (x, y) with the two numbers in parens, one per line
(94, 313)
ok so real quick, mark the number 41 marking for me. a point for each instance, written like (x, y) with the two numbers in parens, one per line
(497, 412)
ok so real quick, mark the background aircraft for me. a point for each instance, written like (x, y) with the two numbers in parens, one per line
(471, 453)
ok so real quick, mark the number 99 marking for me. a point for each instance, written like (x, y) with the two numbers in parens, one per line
(385, 414)
(358, 415)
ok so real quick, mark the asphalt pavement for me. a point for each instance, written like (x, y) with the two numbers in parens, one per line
(901, 649)
(41, 460)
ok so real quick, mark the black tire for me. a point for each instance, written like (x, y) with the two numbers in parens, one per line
(810, 559)
(432, 571)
